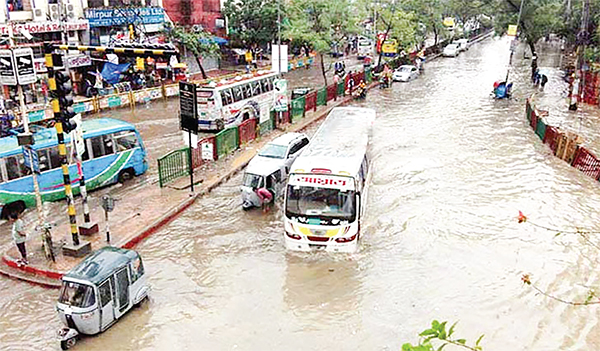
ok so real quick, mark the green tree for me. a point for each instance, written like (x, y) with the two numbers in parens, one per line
(429, 13)
(442, 337)
(396, 23)
(538, 18)
(322, 24)
(199, 43)
(252, 23)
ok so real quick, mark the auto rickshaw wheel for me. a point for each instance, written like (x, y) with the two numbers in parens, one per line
(67, 344)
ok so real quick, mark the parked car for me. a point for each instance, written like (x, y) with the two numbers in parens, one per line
(270, 167)
(451, 50)
(405, 73)
(463, 44)
(300, 92)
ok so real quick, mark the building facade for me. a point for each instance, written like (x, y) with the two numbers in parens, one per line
(201, 14)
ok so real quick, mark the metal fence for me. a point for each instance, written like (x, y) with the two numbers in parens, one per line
(173, 165)
(227, 141)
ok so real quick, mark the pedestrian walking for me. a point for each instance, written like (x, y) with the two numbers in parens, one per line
(19, 236)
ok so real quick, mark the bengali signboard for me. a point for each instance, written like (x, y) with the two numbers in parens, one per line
(119, 16)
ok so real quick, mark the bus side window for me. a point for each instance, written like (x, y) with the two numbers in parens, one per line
(54, 157)
(44, 160)
(247, 91)
(108, 145)
(86, 153)
(270, 80)
(13, 170)
(226, 97)
(256, 88)
(265, 85)
(102, 145)
(238, 95)
(125, 141)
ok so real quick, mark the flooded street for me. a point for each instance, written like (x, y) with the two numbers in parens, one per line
(451, 169)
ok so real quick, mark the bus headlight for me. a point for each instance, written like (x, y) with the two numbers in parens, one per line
(293, 236)
(346, 240)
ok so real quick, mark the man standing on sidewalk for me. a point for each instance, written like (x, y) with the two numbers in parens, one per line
(19, 236)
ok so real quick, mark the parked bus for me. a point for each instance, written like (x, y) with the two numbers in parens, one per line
(114, 152)
(229, 104)
(365, 47)
(327, 187)
(390, 48)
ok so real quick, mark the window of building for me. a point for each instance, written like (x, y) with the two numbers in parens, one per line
(14, 5)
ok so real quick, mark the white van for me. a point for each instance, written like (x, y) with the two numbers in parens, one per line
(463, 44)
(270, 167)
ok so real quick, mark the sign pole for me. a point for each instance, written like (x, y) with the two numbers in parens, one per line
(188, 119)
(190, 161)
(25, 121)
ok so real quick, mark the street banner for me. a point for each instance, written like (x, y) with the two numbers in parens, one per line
(279, 58)
(8, 76)
(25, 66)
(281, 101)
(512, 30)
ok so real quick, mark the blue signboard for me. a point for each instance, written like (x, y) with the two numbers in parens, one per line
(30, 154)
(112, 17)
(36, 116)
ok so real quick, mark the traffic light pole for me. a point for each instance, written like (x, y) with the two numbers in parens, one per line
(62, 150)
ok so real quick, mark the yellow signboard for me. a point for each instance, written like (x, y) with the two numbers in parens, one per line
(512, 30)
(449, 22)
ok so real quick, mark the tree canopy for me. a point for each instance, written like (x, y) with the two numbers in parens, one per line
(252, 22)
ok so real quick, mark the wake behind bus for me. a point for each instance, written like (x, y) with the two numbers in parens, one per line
(327, 187)
(114, 152)
(231, 102)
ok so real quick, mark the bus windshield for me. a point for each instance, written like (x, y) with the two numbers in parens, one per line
(77, 295)
(274, 151)
(323, 203)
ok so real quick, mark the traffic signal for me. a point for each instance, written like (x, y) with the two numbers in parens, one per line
(64, 89)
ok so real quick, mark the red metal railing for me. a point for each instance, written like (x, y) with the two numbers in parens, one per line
(587, 162)
(247, 131)
(311, 102)
(197, 160)
(534, 118)
(551, 138)
(331, 92)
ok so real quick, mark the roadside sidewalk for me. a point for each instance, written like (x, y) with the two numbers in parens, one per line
(142, 212)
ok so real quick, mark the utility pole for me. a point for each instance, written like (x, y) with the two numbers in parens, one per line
(579, 82)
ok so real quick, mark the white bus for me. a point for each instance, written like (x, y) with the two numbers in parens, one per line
(230, 103)
(365, 47)
(327, 187)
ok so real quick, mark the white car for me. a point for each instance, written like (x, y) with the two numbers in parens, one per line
(270, 167)
(452, 50)
(463, 44)
(405, 73)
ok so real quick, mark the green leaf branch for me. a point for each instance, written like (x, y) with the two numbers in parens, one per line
(442, 337)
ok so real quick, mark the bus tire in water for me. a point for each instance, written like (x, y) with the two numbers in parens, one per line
(17, 206)
(126, 175)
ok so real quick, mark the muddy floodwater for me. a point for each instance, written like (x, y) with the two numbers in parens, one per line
(451, 169)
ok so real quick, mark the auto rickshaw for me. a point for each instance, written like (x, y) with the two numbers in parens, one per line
(268, 175)
(98, 291)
